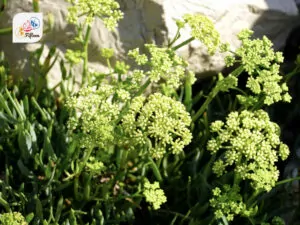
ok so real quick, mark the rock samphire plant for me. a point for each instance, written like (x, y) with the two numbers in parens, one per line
(107, 150)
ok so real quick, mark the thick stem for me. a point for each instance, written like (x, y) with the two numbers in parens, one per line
(4, 31)
(85, 159)
(85, 75)
(250, 201)
(210, 97)
(143, 88)
(183, 43)
(155, 169)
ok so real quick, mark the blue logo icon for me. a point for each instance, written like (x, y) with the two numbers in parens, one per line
(35, 23)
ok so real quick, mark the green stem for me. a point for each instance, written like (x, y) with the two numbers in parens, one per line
(212, 221)
(188, 94)
(143, 88)
(16, 105)
(4, 105)
(174, 213)
(36, 7)
(85, 75)
(287, 181)
(197, 98)
(4, 31)
(85, 159)
(291, 74)
(210, 97)
(155, 169)
(4, 204)
(109, 66)
(35, 104)
(237, 71)
(258, 105)
(251, 199)
(177, 35)
(183, 43)
(139, 92)
(213, 94)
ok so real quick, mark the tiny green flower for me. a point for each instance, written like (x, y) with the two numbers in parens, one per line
(107, 10)
(224, 47)
(250, 143)
(94, 165)
(261, 62)
(278, 221)
(180, 24)
(224, 84)
(216, 126)
(219, 168)
(228, 202)
(204, 30)
(12, 218)
(73, 57)
(229, 60)
(95, 115)
(141, 59)
(253, 85)
(160, 121)
(247, 101)
(107, 52)
(164, 65)
(283, 151)
(154, 195)
(245, 34)
(121, 68)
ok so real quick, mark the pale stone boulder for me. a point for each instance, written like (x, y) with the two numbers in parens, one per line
(273, 18)
(153, 21)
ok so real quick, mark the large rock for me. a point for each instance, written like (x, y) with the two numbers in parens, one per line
(273, 18)
(153, 21)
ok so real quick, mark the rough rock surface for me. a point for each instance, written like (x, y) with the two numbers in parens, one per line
(153, 21)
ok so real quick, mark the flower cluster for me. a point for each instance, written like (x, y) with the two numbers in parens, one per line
(224, 84)
(262, 64)
(204, 30)
(164, 64)
(160, 123)
(95, 165)
(154, 195)
(95, 116)
(275, 221)
(250, 142)
(107, 10)
(107, 53)
(229, 203)
(74, 57)
(12, 218)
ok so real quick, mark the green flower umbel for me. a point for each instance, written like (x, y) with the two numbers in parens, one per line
(164, 65)
(249, 142)
(107, 10)
(160, 123)
(229, 203)
(95, 116)
(203, 30)
(262, 64)
(154, 195)
(12, 218)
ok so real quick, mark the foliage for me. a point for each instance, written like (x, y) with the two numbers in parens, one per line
(106, 151)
